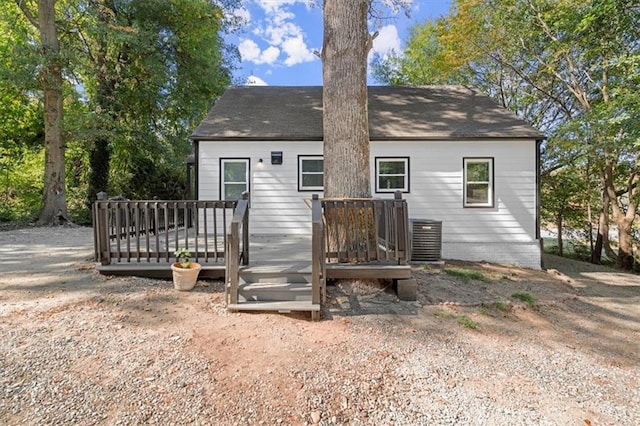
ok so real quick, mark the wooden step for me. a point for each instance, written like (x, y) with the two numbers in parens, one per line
(274, 277)
(275, 292)
(281, 307)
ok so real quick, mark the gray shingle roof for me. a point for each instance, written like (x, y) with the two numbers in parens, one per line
(425, 112)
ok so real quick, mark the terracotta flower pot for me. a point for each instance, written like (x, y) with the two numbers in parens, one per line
(185, 278)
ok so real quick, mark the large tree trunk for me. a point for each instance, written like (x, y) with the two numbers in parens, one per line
(625, 249)
(54, 208)
(344, 97)
(621, 217)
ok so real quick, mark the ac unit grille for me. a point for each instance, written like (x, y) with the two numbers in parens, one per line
(426, 240)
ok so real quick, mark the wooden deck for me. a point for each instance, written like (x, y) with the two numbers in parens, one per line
(275, 254)
(350, 238)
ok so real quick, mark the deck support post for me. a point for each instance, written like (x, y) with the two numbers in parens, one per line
(102, 229)
(402, 231)
(245, 232)
(317, 254)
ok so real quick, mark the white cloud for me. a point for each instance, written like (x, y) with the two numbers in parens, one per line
(270, 55)
(297, 51)
(397, 5)
(387, 40)
(253, 80)
(250, 51)
(281, 32)
(273, 6)
(278, 33)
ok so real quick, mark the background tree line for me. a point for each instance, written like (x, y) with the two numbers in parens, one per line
(571, 68)
(102, 95)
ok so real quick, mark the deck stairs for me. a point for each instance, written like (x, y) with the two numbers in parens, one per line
(271, 290)
(282, 286)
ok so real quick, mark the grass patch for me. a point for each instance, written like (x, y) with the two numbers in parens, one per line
(466, 274)
(445, 314)
(462, 319)
(503, 306)
(467, 322)
(526, 298)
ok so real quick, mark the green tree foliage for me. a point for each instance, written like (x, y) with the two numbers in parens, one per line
(570, 67)
(150, 71)
(139, 75)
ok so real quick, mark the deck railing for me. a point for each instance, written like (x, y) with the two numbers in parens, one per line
(237, 247)
(318, 252)
(367, 230)
(152, 230)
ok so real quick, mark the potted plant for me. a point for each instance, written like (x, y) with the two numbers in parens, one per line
(185, 272)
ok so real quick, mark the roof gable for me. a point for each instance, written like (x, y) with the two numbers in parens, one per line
(395, 113)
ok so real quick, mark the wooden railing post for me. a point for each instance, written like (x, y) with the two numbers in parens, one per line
(317, 253)
(102, 230)
(232, 255)
(402, 230)
(245, 231)
(234, 266)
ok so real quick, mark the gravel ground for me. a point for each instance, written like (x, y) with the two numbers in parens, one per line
(80, 348)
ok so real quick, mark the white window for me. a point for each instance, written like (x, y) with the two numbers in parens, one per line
(310, 173)
(478, 182)
(392, 174)
(234, 177)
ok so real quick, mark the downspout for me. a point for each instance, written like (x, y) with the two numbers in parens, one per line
(538, 194)
(196, 168)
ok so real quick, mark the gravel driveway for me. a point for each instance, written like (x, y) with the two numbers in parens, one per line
(80, 348)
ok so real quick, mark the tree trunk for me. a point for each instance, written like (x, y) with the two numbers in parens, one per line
(560, 239)
(100, 156)
(344, 98)
(625, 249)
(623, 219)
(54, 208)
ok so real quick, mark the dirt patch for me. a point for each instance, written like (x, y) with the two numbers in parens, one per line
(484, 344)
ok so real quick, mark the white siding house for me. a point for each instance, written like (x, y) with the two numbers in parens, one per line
(457, 157)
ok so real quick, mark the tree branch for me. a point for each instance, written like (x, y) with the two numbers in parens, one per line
(27, 13)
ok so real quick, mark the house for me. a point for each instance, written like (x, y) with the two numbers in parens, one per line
(456, 156)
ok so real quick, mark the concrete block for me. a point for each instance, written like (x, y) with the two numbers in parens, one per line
(408, 290)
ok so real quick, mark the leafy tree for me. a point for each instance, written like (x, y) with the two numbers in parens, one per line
(150, 71)
(569, 67)
(43, 17)
(136, 77)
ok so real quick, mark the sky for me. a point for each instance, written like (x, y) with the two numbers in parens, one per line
(278, 38)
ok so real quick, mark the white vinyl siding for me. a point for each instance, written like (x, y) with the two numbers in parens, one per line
(504, 233)
(276, 205)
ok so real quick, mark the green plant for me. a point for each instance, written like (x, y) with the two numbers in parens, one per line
(467, 322)
(525, 297)
(445, 314)
(503, 306)
(465, 274)
(182, 257)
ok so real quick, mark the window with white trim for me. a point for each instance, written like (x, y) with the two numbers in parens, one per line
(392, 174)
(310, 173)
(478, 182)
(234, 177)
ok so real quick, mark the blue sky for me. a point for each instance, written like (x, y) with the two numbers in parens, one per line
(278, 37)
